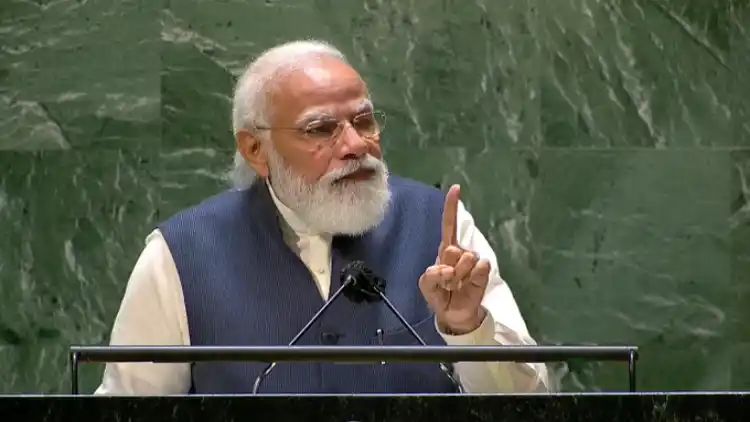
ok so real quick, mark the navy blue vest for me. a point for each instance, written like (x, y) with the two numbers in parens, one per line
(244, 286)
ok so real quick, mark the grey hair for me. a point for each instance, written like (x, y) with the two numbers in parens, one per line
(249, 107)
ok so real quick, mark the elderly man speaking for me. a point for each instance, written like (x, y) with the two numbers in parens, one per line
(252, 265)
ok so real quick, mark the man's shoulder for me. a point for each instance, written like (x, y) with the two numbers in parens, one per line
(414, 196)
(399, 183)
(209, 206)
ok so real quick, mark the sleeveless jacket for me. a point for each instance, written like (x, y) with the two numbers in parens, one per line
(244, 286)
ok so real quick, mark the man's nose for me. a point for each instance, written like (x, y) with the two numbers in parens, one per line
(351, 144)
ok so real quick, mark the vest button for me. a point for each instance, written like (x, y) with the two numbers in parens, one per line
(329, 338)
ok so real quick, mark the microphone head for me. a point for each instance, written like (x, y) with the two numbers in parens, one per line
(364, 285)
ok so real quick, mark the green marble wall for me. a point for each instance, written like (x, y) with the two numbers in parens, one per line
(604, 147)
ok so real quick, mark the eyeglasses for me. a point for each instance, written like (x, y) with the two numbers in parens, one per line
(325, 132)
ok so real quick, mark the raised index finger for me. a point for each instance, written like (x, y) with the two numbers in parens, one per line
(450, 211)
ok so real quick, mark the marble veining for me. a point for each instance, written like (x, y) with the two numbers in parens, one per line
(603, 147)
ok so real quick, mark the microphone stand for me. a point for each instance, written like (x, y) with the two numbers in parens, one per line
(347, 282)
(359, 284)
(414, 333)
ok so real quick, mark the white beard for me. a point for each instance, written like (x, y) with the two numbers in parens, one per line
(347, 208)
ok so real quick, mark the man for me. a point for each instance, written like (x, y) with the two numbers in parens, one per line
(251, 266)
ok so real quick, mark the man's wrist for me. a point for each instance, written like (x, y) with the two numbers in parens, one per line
(465, 327)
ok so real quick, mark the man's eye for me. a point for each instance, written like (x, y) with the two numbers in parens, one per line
(322, 129)
(364, 122)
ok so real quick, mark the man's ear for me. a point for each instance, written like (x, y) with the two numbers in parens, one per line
(253, 151)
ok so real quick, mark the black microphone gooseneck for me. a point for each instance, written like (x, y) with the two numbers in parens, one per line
(347, 281)
(368, 287)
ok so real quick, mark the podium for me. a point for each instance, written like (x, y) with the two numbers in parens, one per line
(350, 354)
(628, 406)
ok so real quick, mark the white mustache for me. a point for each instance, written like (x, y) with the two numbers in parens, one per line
(367, 163)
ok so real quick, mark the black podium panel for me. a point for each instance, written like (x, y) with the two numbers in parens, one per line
(563, 408)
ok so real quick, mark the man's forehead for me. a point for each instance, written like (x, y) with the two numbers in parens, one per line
(323, 86)
(331, 110)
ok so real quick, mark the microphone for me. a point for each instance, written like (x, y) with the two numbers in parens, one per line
(348, 280)
(368, 287)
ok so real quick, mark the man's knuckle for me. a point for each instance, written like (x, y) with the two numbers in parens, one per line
(454, 250)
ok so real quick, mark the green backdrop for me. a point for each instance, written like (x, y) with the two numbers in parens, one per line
(603, 147)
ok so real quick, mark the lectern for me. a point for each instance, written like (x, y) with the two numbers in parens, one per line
(351, 354)
(628, 406)
(657, 407)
